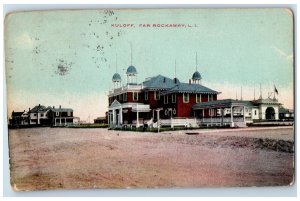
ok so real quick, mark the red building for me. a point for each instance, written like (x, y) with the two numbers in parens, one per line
(158, 100)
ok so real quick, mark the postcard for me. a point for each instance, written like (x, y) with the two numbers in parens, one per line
(150, 98)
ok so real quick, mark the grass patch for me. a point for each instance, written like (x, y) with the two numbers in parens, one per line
(164, 129)
(89, 126)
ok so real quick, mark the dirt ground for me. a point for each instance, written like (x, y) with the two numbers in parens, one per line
(54, 158)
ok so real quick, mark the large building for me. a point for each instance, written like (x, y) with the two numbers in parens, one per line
(43, 116)
(164, 101)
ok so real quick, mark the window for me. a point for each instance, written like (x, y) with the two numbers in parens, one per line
(166, 99)
(185, 98)
(120, 97)
(198, 98)
(34, 114)
(173, 98)
(42, 115)
(146, 95)
(135, 96)
(57, 113)
(125, 97)
(210, 97)
(69, 113)
(254, 112)
(156, 95)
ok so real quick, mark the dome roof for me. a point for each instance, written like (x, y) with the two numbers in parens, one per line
(116, 77)
(196, 76)
(131, 70)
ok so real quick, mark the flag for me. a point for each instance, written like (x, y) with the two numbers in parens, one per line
(276, 90)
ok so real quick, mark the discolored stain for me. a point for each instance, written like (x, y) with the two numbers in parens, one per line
(63, 67)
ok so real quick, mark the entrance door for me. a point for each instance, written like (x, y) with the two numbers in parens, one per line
(270, 113)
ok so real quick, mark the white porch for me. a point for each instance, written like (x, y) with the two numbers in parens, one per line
(221, 120)
(116, 114)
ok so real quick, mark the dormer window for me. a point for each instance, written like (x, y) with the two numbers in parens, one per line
(57, 114)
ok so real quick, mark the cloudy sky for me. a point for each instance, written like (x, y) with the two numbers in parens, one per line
(68, 57)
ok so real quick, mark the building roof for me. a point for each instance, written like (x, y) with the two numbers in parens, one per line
(158, 82)
(269, 101)
(170, 86)
(190, 88)
(39, 108)
(131, 70)
(61, 110)
(196, 76)
(16, 114)
(285, 110)
(219, 104)
(116, 77)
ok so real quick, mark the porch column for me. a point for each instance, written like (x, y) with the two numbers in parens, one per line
(121, 116)
(231, 115)
(114, 117)
(60, 121)
(137, 116)
(244, 113)
(137, 119)
(65, 121)
(158, 125)
(222, 116)
(202, 113)
(108, 117)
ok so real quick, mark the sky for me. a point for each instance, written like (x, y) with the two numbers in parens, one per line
(68, 58)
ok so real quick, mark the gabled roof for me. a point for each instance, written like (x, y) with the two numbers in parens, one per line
(115, 103)
(38, 108)
(41, 108)
(16, 114)
(61, 110)
(158, 82)
(190, 88)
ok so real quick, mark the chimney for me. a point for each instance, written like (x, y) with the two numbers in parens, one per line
(29, 110)
(164, 79)
(189, 81)
(24, 110)
(53, 107)
(59, 106)
(39, 104)
(175, 80)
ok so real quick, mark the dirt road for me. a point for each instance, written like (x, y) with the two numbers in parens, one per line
(51, 158)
